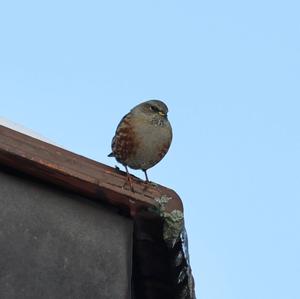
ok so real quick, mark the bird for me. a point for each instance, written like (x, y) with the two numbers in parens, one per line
(143, 137)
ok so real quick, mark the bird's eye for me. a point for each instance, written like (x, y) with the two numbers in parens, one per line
(153, 108)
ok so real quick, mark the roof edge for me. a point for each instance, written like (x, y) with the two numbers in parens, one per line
(87, 177)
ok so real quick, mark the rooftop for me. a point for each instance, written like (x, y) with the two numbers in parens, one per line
(157, 211)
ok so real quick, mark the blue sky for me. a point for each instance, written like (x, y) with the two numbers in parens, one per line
(230, 74)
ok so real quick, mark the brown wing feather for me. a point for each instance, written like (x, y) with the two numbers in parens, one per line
(123, 143)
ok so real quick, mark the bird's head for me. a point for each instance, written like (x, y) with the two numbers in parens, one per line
(153, 108)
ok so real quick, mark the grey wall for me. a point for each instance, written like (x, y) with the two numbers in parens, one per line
(54, 244)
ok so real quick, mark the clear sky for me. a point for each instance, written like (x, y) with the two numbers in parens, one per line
(230, 74)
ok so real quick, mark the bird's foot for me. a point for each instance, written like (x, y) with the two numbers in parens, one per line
(117, 168)
(153, 184)
(149, 184)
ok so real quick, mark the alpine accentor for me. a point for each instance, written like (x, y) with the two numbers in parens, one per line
(143, 137)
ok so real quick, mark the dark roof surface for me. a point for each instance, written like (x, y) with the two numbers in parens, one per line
(161, 266)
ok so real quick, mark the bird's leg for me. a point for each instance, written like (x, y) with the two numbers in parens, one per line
(129, 178)
(147, 179)
(146, 176)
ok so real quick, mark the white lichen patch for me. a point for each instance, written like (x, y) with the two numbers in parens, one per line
(173, 221)
(173, 225)
(161, 203)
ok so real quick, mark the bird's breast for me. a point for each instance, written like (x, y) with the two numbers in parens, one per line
(153, 140)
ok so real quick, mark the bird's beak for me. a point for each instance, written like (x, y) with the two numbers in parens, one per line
(161, 113)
